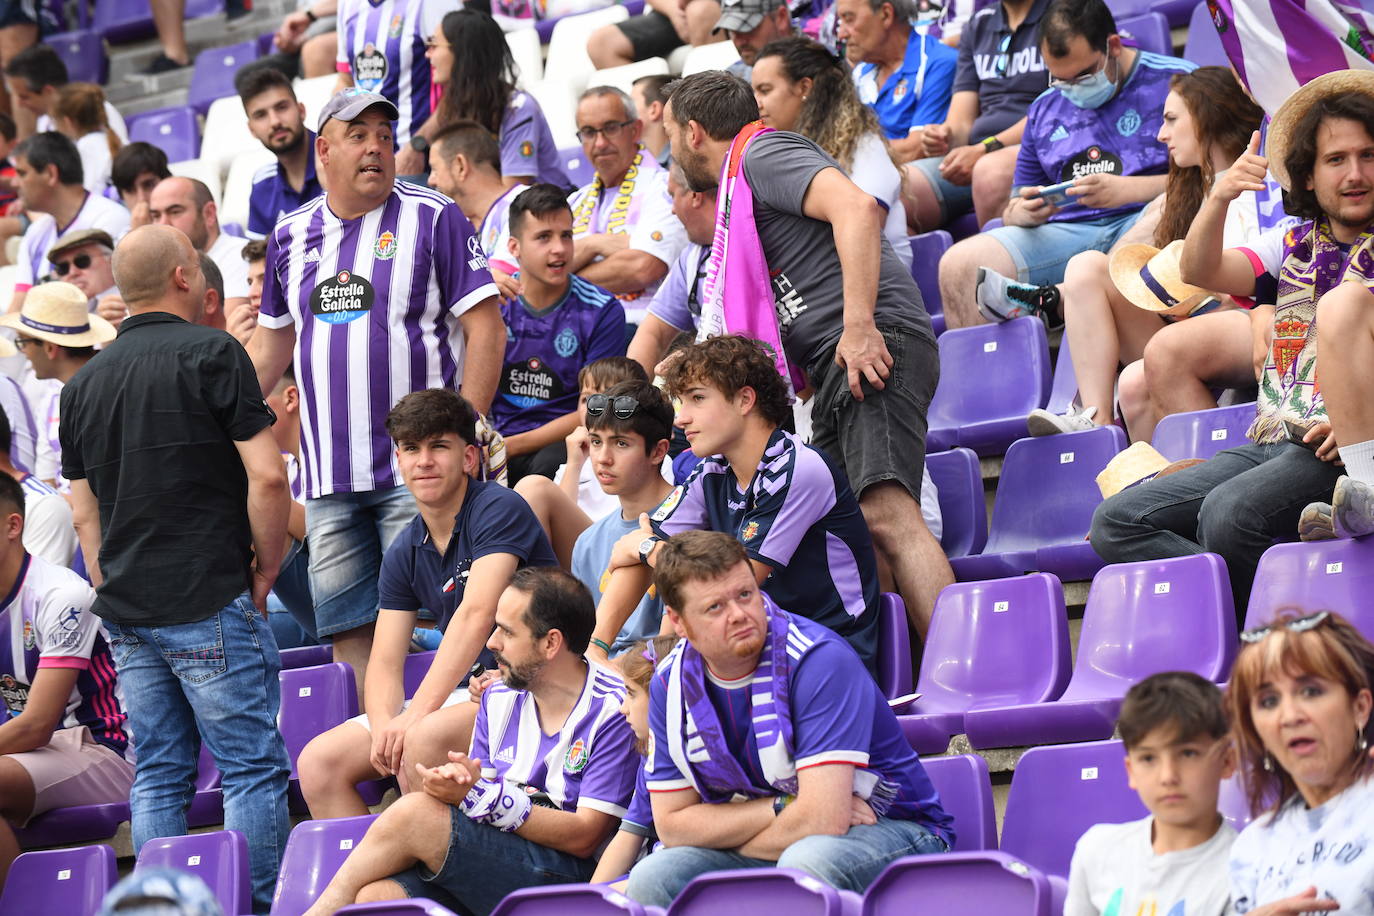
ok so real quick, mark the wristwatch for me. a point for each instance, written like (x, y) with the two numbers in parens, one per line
(647, 546)
(419, 144)
(990, 144)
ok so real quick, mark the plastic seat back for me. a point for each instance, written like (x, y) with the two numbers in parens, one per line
(70, 881)
(762, 890)
(314, 700)
(963, 508)
(1203, 433)
(213, 74)
(568, 900)
(959, 882)
(966, 794)
(1315, 576)
(998, 373)
(220, 859)
(894, 648)
(314, 852)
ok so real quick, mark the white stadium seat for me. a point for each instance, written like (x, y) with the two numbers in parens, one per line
(204, 169)
(559, 104)
(226, 135)
(529, 59)
(313, 94)
(239, 184)
(716, 56)
(567, 58)
(623, 78)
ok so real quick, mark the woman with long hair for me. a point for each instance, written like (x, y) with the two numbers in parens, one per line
(474, 78)
(802, 87)
(1300, 707)
(80, 114)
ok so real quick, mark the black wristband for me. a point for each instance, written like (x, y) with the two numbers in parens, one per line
(310, 14)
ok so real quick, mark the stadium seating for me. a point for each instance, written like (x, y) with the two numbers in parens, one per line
(1064, 388)
(715, 56)
(623, 78)
(84, 54)
(77, 824)
(1149, 30)
(314, 852)
(1318, 575)
(1203, 433)
(894, 648)
(66, 881)
(966, 794)
(559, 105)
(765, 890)
(207, 805)
(1232, 802)
(926, 251)
(202, 170)
(569, 900)
(212, 76)
(416, 907)
(959, 882)
(306, 656)
(1044, 505)
(567, 57)
(123, 20)
(576, 165)
(528, 54)
(313, 700)
(238, 186)
(1131, 628)
(1204, 44)
(963, 509)
(1002, 642)
(314, 94)
(226, 135)
(173, 130)
(220, 859)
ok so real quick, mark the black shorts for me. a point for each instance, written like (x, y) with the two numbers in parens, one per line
(651, 35)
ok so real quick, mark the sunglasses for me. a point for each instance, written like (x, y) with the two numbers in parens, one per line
(1003, 58)
(80, 262)
(622, 407)
(1296, 625)
(22, 342)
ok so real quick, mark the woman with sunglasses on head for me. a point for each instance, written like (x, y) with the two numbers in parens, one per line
(1300, 707)
(802, 87)
(474, 78)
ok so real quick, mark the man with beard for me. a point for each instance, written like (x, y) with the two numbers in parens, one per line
(551, 769)
(186, 204)
(277, 119)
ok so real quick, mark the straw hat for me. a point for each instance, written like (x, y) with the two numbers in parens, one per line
(59, 313)
(1280, 135)
(1149, 278)
(1137, 464)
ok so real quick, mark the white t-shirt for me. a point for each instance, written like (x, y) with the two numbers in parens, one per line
(112, 117)
(874, 172)
(593, 500)
(227, 253)
(1330, 847)
(96, 212)
(48, 529)
(95, 161)
(1116, 872)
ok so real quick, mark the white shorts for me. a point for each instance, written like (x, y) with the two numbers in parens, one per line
(74, 769)
(458, 696)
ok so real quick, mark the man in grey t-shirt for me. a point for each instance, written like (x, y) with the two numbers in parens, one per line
(848, 311)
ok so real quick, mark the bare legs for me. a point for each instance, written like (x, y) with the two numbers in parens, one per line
(901, 538)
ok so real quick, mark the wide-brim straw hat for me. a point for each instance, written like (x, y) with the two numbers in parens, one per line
(59, 313)
(1280, 136)
(1137, 464)
(1149, 278)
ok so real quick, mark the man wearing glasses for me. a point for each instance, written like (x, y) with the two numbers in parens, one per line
(82, 258)
(623, 224)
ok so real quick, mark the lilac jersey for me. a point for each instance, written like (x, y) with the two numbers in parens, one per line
(1063, 142)
(588, 763)
(375, 303)
(527, 146)
(545, 350)
(46, 622)
(96, 213)
(382, 48)
(496, 232)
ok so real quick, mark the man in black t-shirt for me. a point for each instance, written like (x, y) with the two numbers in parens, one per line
(848, 312)
(180, 498)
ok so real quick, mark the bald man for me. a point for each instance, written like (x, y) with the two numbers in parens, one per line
(167, 442)
(188, 205)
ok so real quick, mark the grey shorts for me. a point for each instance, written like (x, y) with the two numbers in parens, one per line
(882, 437)
(955, 199)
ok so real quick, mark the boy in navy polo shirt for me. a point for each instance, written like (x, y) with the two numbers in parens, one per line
(453, 559)
(559, 323)
(784, 500)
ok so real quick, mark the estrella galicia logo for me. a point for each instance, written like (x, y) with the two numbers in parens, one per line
(1128, 123)
(1092, 161)
(369, 67)
(342, 298)
(565, 344)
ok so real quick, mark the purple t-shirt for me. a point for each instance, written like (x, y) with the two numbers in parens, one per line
(589, 763)
(545, 351)
(1063, 141)
(375, 303)
(527, 146)
(639, 819)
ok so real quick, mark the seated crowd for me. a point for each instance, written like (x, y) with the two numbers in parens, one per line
(638, 459)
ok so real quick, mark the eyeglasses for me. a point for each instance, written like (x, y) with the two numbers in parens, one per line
(1296, 625)
(622, 407)
(80, 262)
(1003, 58)
(609, 131)
(431, 44)
(1081, 78)
(22, 342)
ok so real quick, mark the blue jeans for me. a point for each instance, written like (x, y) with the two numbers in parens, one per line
(348, 533)
(292, 594)
(213, 680)
(1041, 253)
(1234, 505)
(955, 199)
(848, 862)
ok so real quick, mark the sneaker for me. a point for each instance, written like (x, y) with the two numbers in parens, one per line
(160, 64)
(1041, 422)
(1315, 523)
(1002, 299)
(1352, 508)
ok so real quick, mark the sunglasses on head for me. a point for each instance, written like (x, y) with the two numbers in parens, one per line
(1296, 625)
(80, 262)
(622, 407)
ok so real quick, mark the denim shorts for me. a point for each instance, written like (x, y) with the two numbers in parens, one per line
(348, 534)
(1041, 253)
(955, 199)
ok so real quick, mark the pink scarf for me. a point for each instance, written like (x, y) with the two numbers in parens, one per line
(737, 295)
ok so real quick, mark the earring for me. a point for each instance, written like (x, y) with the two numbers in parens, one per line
(1361, 740)
(1268, 764)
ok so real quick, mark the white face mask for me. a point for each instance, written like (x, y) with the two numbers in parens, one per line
(1090, 92)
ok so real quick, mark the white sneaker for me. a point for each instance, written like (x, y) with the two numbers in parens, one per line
(1041, 422)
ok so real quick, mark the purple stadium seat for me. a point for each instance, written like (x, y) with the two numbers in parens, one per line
(995, 643)
(1203, 433)
(926, 251)
(69, 881)
(418, 907)
(963, 508)
(961, 227)
(1064, 388)
(314, 852)
(998, 374)
(120, 21)
(894, 648)
(1057, 793)
(174, 130)
(213, 76)
(195, 9)
(1150, 31)
(266, 44)
(1204, 44)
(1319, 575)
(79, 824)
(1175, 13)
(207, 806)
(313, 700)
(1131, 629)
(1232, 802)
(306, 657)
(569, 900)
(84, 54)
(959, 882)
(1045, 500)
(764, 890)
(220, 859)
(417, 666)
(966, 793)
(576, 165)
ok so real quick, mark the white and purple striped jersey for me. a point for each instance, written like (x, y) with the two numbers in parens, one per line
(23, 427)
(96, 212)
(375, 303)
(46, 622)
(591, 762)
(49, 532)
(382, 48)
(496, 231)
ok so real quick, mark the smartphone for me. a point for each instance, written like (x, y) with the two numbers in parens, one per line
(1295, 433)
(1056, 194)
